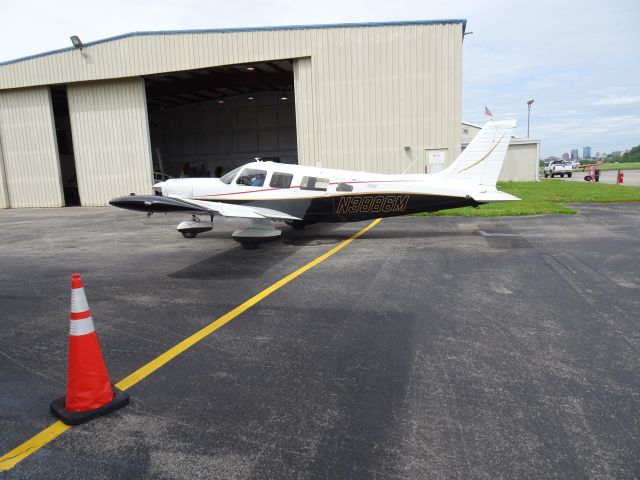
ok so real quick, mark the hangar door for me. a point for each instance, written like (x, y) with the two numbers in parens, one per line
(206, 122)
(4, 198)
(110, 139)
(29, 149)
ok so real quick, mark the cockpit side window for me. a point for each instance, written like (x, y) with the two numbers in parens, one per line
(281, 180)
(229, 176)
(314, 183)
(252, 177)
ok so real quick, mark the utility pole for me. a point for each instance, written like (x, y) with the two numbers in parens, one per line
(528, 115)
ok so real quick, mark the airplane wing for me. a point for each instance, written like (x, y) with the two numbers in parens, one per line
(239, 211)
(160, 204)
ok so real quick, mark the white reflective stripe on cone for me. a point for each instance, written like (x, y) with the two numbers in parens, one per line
(81, 327)
(78, 300)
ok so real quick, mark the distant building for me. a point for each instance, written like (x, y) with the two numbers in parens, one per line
(586, 152)
(574, 154)
(565, 156)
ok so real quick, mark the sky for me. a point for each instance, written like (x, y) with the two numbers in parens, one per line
(579, 60)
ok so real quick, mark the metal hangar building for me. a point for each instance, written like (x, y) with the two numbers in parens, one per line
(81, 125)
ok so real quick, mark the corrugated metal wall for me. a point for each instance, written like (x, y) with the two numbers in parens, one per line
(30, 151)
(378, 90)
(110, 139)
(305, 115)
(4, 194)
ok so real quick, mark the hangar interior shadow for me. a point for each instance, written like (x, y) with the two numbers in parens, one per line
(206, 122)
(64, 141)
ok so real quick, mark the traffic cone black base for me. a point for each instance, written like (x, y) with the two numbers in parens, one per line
(120, 399)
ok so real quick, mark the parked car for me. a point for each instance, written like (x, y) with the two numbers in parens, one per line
(558, 167)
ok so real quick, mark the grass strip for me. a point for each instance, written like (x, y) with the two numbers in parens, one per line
(547, 197)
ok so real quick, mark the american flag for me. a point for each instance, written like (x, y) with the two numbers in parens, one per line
(487, 112)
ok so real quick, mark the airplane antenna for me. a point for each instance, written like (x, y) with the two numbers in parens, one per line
(410, 165)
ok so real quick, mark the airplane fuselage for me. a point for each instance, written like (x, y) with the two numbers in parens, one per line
(321, 195)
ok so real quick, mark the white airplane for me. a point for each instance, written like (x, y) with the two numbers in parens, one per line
(268, 192)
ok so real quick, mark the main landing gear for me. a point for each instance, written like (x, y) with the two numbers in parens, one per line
(296, 224)
(191, 228)
(260, 231)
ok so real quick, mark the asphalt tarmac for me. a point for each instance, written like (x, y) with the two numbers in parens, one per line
(427, 348)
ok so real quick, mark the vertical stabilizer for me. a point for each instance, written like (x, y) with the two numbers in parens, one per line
(481, 161)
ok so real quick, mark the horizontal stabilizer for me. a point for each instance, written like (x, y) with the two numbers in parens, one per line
(495, 196)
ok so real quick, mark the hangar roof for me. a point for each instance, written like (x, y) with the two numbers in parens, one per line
(462, 22)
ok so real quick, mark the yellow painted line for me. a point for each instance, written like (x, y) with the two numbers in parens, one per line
(21, 452)
(50, 433)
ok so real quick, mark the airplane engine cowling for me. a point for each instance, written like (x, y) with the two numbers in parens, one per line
(177, 187)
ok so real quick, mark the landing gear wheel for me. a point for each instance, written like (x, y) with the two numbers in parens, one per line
(189, 234)
(546, 175)
(249, 244)
(569, 175)
(296, 224)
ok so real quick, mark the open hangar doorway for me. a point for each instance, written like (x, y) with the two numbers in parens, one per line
(207, 122)
(64, 140)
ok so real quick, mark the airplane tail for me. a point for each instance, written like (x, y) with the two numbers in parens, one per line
(482, 160)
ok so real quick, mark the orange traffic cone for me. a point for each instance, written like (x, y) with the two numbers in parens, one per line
(89, 390)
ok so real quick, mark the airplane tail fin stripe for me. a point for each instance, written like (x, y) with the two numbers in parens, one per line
(482, 160)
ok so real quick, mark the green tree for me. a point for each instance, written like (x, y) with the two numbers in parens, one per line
(632, 155)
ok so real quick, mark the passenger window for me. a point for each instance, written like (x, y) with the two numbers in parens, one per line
(344, 187)
(314, 183)
(252, 177)
(281, 180)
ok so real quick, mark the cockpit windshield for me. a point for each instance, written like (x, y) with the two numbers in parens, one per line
(228, 177)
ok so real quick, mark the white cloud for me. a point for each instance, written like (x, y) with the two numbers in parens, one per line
(608, 101)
